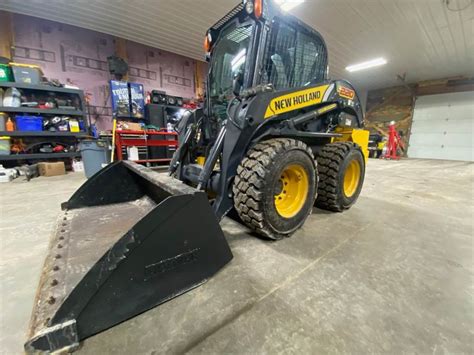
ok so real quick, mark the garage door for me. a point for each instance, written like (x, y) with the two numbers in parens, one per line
(442, 127)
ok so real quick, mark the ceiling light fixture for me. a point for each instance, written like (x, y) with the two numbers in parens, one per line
(366, 65)
(238, 60)
(287, 5)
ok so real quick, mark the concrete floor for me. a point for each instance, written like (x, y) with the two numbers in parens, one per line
(393, 274)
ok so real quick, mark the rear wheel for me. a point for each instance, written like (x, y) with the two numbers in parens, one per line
(275, 187)
(341, 169)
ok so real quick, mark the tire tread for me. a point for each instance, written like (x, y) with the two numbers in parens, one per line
(329, 162)
(250, 180)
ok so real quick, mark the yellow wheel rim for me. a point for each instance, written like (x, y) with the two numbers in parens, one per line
(294, 185)
(351, 178)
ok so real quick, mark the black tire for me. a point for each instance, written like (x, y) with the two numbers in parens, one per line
(333, 162)
(258, 181)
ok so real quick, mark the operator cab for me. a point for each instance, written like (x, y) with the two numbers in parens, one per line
(255, 44)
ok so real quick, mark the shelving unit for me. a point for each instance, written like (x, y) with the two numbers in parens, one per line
(42, 134)
(9, 84)
(41, 111)
(39, 156)
(79, 112)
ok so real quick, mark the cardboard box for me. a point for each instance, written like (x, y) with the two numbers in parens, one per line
(132, 126)
(74, 126)
(52, 169)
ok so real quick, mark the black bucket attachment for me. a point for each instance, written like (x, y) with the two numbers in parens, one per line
(128, 240)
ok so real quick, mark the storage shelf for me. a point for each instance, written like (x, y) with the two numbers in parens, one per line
(30, 89)
(39, 156)
(10, 84)
(42, 111)
(42, 134)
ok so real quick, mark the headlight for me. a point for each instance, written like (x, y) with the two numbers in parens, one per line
(249, 6)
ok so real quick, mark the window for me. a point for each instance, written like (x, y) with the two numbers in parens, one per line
(228, 58)
(294, 58)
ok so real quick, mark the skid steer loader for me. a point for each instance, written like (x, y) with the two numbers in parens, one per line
(274, 138)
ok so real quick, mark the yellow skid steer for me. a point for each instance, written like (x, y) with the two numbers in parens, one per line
(274, 138)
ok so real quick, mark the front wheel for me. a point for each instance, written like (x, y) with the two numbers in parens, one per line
(275, 187)
(341, 168)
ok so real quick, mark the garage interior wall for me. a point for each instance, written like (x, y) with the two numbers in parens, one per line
(79, 57)
(398, 103)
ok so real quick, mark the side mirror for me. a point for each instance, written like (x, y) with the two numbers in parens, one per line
(237, 83)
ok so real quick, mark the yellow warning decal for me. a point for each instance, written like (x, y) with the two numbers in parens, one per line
(346, 92)
(295, 100)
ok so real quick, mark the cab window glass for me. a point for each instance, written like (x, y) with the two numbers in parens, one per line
(294, 58)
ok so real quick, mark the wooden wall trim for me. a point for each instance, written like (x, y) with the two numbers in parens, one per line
(6, 34)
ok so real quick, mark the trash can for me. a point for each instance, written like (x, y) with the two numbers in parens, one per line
(95, 155)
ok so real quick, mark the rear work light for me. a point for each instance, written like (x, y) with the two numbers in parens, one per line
(258, 8)
(207, 43)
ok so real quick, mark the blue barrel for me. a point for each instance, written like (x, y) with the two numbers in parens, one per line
(95, 154)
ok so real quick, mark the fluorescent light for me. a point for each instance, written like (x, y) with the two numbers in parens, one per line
(238, 60)
(366, 65)
(238, 56)
(287, 5)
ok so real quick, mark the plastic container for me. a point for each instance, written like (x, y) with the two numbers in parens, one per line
(29, 123)
(5, 73)
(26, 73)
(132, 153)
(9, 125)
(4, 145)
(12, 98)
(95, 154)
(3, 120)
(77, 165)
